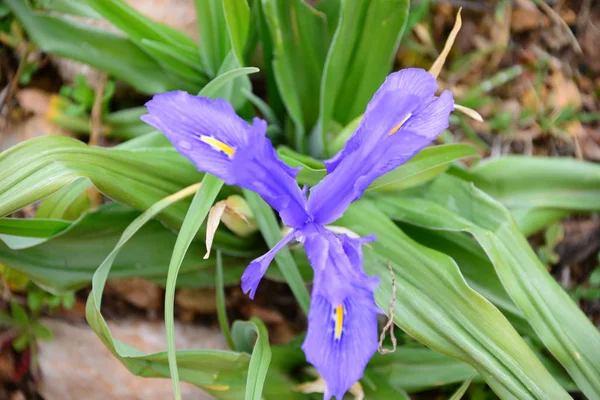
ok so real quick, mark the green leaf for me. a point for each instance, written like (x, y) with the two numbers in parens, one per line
(539, 190)
(460, 392)
(69, 7)
(436, 306)
(41, 332)
(476, 267)
(261, 356)
(451, 204)
(237, 16)
(360, 56)
(39, 167)
(378, 387)
(109, 52)
(201, 204)
(527, 182)
(69, 203)
(170, 47)
(267, 223)
(232, 90)
(19, 314)
(35, 299)
(138, 26)
(415, 369)
(21, 342)
(67, 261)
(185, 66)
(214, 371)
(214, 36)
(300, 38)
(214, 88)
(32, 227)
(222, 303)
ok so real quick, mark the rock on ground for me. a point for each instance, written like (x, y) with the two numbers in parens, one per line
(76, 365)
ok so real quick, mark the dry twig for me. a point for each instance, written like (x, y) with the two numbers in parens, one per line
(390, 323)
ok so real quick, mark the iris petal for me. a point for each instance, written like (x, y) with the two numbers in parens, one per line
(341, 361)
(211, 135)
(342, 321)
(257, 268)
(403, 117)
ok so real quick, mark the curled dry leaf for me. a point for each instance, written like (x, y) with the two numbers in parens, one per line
(235, 213)
(438, 64)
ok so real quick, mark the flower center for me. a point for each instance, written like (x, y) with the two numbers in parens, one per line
(218, 145)
(339, 321)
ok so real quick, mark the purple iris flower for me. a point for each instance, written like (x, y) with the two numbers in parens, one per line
(403, 117)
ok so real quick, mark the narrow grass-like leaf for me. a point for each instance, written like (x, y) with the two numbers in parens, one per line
(194, 218)
(267, 223)
(214, 36)
(360, 56)
(460, 392)
(212, 89)
(452, 204)
(222, 304)
(261, 356)
(300, 38)
(138, 26)
(69, 7)
(237, 17)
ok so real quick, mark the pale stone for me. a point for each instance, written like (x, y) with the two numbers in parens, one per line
(76, 365)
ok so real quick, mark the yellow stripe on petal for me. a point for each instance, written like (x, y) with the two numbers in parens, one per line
(218, 145)
(339, 321)
(397, 127)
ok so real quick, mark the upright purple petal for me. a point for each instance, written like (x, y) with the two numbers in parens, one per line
(342, 321)
(403, 117)
(211, 135)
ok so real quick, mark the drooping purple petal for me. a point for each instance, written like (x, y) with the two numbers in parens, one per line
(342, 321)
(211, 135)
(403, 117)
(257, 268)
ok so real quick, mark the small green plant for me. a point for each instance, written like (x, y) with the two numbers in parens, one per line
(591, 291)
(23, 319)
(83, 96)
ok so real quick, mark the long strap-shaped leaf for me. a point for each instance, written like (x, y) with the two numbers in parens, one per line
(454, 205)
(261, 354)
(436, 306)
(201, 204)
(39, 167)
(215, 371)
